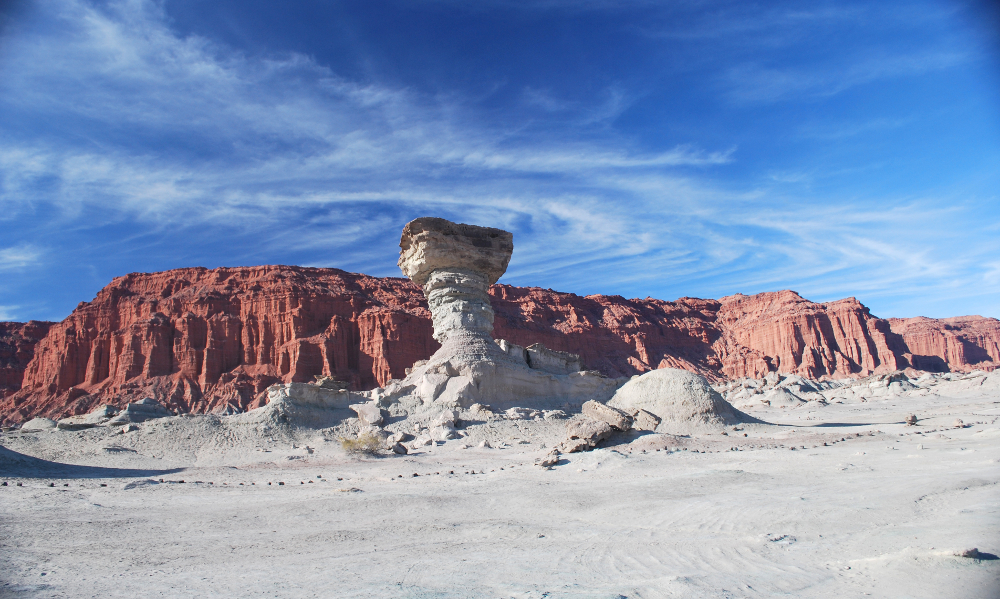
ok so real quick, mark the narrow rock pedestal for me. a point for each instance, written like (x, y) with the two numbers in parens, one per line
(455, 264)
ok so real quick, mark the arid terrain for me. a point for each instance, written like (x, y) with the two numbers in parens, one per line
(202, 340)
(278, 432)
(837, 497)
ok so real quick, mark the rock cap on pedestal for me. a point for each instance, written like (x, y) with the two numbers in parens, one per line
(430, 244)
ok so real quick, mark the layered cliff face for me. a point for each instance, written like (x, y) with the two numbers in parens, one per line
(17, 348)
(614, 335)
(783, 332)
(961, 343)
(203, 340)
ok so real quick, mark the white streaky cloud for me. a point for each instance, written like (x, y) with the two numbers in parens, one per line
(842, 130)
(299, 157)
(8, 313)
(754, 83)
(991, 273)
(21, 256)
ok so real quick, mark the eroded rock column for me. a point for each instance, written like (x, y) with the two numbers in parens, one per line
(455, 264)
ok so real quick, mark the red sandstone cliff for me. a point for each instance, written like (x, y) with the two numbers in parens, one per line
(200, 339)
(781, 331)
(17, 348)
(961, 343)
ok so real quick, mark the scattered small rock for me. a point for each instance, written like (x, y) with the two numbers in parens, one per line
(549, 460)
(368, 413)
(645, 421)
(617, 419)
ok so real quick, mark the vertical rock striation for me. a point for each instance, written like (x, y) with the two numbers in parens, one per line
(456, 264)
(209, 340)
(206, 340)
(958, 343)
(17, 348)
(781, 331)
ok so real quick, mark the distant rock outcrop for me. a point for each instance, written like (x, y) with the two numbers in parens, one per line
(212, 340)
(17, 348)
(960, 343)
(202, 340)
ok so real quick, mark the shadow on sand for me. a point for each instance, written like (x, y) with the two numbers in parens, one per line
(845, 424)
(18, 465)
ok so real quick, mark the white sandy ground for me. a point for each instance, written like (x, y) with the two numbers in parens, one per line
(880, 514)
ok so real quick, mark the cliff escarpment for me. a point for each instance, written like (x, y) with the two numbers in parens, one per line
(204, 340)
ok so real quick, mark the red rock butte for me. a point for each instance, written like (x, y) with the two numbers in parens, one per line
(202, 340)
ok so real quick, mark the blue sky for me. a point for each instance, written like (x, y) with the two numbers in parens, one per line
(660, 149)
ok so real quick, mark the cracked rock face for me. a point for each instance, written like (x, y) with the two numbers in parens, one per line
(430, 244)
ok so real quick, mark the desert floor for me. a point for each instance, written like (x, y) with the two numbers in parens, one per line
(838, 501)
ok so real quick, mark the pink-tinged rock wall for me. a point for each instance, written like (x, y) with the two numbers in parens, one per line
(200, 340)
(961, 344)
(17, 348)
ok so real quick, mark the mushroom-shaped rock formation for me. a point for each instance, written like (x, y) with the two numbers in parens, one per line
(456, 264)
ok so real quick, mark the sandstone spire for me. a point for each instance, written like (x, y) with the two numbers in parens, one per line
(455, 264)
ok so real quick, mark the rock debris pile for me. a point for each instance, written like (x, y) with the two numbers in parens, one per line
(793, 391)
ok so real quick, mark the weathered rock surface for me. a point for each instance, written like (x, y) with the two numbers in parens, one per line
(96, 418)
(783, 332)
(549, 460)
(140, 411)
(961, 344)
(782, 398)
(684, 401)
(617, 419)
(583, 434)
(455, 264)
(39, 424)
(644, 421)
(368, 413)
(429, 244)
(199, 340)
(17, 348)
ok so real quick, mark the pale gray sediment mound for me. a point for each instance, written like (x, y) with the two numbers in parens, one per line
(684, 401)
(782, 398)
(38, 424)
(140, 411)
(303, 405)
(97, 417)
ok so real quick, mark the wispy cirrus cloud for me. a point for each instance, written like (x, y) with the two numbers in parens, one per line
(759, 83)
(21, 256)
(167, 136)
